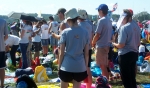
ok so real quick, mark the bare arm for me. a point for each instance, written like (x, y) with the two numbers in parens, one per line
(50, 27)
(5, 37)
(39, 29)
(91, 39)
(118, 45)
(22, 33)
(95, 39)
(7, 48)
(86, 54)
(62, 27)
(61, 54)
(56, 36)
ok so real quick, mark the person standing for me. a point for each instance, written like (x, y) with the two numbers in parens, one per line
(36, 40)
(3, 37)
(53, 28)
(73, 61)
(85, 25)
(25, 36)
(102, 39)
(63, 24)
(128, 43)
(13, 42)
(44, 37)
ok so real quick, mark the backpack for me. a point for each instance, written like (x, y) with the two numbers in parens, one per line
(27, 71)
(26, 82)
(101, 82)
(40, 74)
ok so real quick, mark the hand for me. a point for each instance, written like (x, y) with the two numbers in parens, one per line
(93, 45)
(113, 44)
(33, 34)
(30, 38)
(53, 35)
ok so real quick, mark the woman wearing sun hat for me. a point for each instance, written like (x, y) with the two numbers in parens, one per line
(128, 43)
(73, 62)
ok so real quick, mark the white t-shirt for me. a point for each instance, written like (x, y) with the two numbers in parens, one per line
(141, 48)
(12, 40)
(27, 34)
(37, 38)
(54, 27)
(44, 29)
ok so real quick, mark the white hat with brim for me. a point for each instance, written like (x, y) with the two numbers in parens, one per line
(71, 14)
(82, 14)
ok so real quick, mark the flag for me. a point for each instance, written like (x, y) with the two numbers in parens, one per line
(115, 7)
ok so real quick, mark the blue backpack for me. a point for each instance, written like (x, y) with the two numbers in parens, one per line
(101, 82)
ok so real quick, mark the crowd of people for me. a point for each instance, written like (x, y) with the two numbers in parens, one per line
(75, 37)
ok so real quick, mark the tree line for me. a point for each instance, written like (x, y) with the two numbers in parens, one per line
(140, 17)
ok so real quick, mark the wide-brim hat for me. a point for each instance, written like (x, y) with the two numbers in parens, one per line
(71, 14)
(82, 13)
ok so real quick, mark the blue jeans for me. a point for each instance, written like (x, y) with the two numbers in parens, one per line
(23, 48)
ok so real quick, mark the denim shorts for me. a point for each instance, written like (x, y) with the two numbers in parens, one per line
(53, 41)
(45, 42)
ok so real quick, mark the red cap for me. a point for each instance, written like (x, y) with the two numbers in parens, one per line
(131, 11)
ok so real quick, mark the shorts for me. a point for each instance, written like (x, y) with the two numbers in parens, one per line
(102, 56)
(53, 41)
(37, 46)
(45, 42)
(70, 76)
(2, 60)
(90, 60)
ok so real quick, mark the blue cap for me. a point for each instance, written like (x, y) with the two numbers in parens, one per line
(102, 7)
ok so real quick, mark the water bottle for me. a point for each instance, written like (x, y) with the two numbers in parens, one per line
(8, 55)
(48, 71)
(8, 61)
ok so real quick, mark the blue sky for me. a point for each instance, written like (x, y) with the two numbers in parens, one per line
(51, 6)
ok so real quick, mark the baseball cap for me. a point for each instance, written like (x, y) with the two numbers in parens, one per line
(102, 7)
(62, 10)
(82, 13)
(131, 11)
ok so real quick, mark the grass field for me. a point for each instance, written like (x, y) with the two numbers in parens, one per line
(142, 78)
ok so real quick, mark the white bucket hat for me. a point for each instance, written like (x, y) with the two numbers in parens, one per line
(71, 14)
(122, 16)
(82, 13)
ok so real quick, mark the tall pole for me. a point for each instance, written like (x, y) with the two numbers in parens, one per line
(144, 14)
